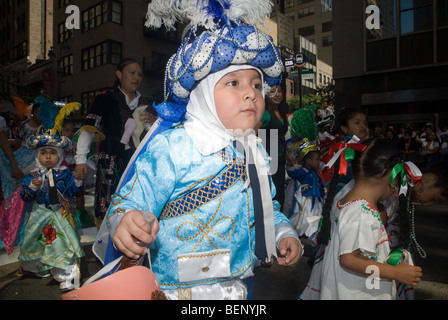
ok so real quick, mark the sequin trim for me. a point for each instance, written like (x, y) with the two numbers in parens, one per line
(212, 190)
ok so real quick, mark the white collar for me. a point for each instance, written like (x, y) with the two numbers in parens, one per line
(134, 103)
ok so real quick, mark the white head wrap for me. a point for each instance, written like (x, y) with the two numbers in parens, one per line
(209, 135)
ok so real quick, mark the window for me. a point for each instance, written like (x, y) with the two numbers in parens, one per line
(289, 3)
(94, 16)
(442, 13)
(381, 54)
(421, 46)
(415, 15)
(389, 47)
(21, 23)
(63, 33)
(66, 65)
(306, 31)
(327, 41)
(327, 26)
(442, 47)
(63, 3)
(305, 12)
(117, 9)
(21, 51)
(115, 52)
(327, 5)
(388, 21)
(310, 57)
(101, 13)
(107, 52)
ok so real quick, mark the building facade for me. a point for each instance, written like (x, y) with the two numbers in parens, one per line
(397, 72)
(312, 19)
(85, 58)
(310, 31)
(26, 35)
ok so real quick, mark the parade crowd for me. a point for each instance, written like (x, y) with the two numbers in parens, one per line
(227, 178)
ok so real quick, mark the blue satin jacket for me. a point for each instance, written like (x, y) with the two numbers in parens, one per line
(64, 181)
(205, 214)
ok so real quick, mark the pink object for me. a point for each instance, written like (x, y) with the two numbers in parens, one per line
(11, 215)
(135, 283)
(129, 127)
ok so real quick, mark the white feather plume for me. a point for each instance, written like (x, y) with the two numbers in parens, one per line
(167, 12)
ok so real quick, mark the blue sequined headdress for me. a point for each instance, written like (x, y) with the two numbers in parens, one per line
(220, 33)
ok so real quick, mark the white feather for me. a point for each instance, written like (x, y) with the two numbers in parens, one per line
(167, 12)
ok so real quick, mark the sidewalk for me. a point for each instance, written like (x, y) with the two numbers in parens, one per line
(28, 286)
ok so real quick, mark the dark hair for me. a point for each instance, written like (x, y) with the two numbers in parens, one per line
(345, 115)
(283, 107)
(440, 170)
(123, 63)
(377, 160)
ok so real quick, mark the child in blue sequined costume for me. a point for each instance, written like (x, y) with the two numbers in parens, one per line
(196, 177)
(51, 246)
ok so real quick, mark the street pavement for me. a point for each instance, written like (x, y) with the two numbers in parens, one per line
(270, 283)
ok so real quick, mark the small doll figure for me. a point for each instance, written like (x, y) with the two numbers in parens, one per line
(51, 246)
(309, 189)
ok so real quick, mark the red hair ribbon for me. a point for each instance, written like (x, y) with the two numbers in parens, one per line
(347, 153)
(413, 172)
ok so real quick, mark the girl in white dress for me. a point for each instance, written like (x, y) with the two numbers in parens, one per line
(356, 263)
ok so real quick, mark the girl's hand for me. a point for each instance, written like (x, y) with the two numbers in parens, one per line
(132, 227)
(407, 274)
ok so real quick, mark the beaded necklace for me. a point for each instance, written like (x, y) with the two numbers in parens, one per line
(411, 209)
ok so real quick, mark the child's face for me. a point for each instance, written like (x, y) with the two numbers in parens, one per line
(313, 160)
(239, 100)
(48, 157)
(429, 194)
(357, 126)
(69, 130)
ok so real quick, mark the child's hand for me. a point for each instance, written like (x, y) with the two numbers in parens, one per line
(290, 252)
(80, 171)
(407, 274)
(36, 182)
(134, 225)
(290, 160)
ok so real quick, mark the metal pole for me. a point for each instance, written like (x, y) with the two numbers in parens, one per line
(300, 86)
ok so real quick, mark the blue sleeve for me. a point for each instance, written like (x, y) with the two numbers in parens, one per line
(28, 195)
(297, 174)
(152, 183)
(71, 189)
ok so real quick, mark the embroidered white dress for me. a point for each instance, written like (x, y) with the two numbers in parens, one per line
(357, 226)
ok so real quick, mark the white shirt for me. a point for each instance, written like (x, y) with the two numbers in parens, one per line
(357, 226)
